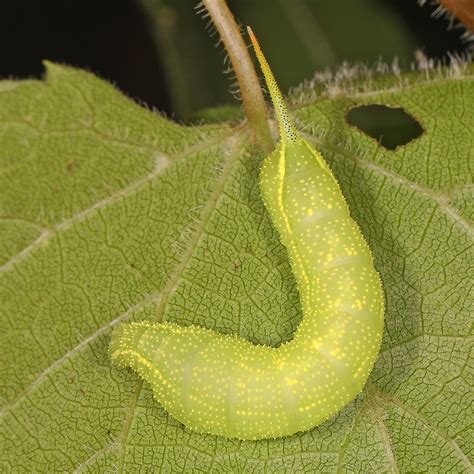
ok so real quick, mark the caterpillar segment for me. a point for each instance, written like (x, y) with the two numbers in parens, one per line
(227, 386)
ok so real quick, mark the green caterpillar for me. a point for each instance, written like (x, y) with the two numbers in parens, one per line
(225, 385)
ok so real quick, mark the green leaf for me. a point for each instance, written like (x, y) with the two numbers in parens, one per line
(110, 213)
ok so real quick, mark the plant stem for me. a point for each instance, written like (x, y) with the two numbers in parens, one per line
(242, 64)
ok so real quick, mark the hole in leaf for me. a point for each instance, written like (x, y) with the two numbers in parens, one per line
(391, 127)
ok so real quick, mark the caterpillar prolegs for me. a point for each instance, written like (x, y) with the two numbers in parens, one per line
(224, 384)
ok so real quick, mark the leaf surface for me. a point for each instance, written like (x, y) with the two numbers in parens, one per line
(110, 213)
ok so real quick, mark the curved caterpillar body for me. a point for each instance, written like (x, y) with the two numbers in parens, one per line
(227, 386)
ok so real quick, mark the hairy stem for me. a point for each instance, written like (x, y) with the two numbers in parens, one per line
(463, 9)
(242, 64)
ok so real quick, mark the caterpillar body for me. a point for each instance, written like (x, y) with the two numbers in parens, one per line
(224, 384)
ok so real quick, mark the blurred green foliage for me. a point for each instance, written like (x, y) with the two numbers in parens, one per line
(299, 38)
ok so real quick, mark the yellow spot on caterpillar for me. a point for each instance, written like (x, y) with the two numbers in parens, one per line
(317, 343)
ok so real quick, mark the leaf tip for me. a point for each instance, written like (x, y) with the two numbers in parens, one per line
(50, 69)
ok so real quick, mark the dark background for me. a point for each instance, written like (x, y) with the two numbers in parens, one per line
(120, 41)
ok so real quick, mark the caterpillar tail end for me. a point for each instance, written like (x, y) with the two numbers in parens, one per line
(288, 132)
(125, 339)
